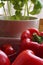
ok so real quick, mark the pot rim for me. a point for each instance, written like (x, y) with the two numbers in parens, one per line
(3, 19)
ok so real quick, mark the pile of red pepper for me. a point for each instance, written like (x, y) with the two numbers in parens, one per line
(30, 50)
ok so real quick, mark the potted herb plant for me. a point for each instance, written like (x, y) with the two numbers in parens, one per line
(14, 25)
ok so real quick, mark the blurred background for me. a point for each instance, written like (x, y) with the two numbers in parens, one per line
(39, 15)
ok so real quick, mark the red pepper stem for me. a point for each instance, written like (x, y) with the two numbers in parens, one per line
(36, 38)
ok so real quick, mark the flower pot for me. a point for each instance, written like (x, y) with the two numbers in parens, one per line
(14, 28)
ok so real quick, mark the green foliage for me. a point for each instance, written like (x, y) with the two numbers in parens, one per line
(1, 4)
(18, 6)
(34, 1)
(37, 8)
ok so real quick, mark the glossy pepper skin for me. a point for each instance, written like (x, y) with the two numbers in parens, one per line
(27, 44)
(32, 41)
(4, 60)
(28, 33)
(9, 50)
(28, 57)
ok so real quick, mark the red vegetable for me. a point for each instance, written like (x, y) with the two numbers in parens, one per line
(8, 49)
(26, 34)
(41, 33)
(29, 32)
(34, 30)
(40, 54)
(27, 44)
(34, 43)
(4, 59)
(28, 57)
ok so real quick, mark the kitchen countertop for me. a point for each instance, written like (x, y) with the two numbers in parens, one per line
(41, 25)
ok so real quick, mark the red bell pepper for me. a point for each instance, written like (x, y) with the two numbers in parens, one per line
(4, 60)
(29, 32)
(33, 40)
(28, 57)
(9, 50)
(41, 34)
(26, 44)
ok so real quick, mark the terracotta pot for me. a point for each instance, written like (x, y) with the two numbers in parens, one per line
(13, 28)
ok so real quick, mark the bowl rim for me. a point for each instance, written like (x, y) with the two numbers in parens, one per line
(3, 19)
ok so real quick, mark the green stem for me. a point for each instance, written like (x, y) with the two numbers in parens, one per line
(36, 38)
(9, 7)
(27, 10)
(4, 10)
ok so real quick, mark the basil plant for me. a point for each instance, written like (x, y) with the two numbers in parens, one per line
(32, 8)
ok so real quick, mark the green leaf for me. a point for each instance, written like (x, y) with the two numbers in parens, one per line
(37, 8)
(5, 0)
(1, 4)
(35, 12)
(34, 1)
